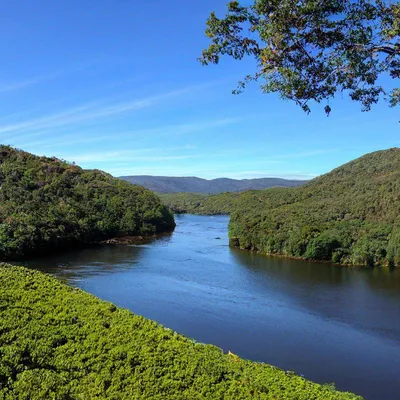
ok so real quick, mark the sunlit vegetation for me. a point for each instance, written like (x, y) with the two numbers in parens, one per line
(48, 204)
(349, 216)
(57, 342)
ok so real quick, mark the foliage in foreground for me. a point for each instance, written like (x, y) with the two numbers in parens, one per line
(47, 204)
(349, 216)
(58, 342)
(311, 50)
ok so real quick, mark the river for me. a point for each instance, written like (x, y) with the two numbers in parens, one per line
(328, 323)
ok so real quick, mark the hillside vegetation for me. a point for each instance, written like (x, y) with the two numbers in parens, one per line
(46, 204)
(191, 184)
(196, 203)
(57, 342)
(214, 204)
(349, 216)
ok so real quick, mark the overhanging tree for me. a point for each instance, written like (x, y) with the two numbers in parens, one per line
(312, 49)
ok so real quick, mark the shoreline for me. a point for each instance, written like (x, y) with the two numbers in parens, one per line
(308, 260)
(134, 240)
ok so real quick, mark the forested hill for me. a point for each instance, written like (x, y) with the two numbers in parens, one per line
(203, 204)
(349, 216)
(165, 184)
(47, 204)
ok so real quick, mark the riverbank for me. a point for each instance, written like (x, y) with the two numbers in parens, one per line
(61, 342)
(234, 243)
(136, 240)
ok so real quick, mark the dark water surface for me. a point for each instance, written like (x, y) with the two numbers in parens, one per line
(331, 324)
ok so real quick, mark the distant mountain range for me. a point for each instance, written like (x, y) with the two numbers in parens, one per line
(167, 184)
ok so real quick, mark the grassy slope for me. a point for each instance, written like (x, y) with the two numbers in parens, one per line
(60, 343)
(46, 203)
(349, 216)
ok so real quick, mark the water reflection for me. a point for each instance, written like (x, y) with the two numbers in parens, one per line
(368, 299)
(73, 266)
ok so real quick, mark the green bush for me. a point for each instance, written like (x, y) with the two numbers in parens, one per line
(322, 247)
(57, 342)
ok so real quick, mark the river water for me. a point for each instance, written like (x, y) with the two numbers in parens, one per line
(328, 323)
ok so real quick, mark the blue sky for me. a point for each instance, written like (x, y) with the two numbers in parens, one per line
(115, 85)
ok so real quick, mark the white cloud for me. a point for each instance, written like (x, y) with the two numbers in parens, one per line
(176, 129)
(119, 156)
(13, 86)
(74, 137)
(92, 111)
(127, 157)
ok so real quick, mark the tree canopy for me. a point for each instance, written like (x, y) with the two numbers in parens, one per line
(309, 50)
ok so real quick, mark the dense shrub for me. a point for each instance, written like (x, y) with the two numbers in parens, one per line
(60, 343)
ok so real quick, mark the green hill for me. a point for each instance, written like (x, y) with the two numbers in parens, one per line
(349, 216)
(213, 204)
(57, 342)
(48, 204)
(196, 203)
